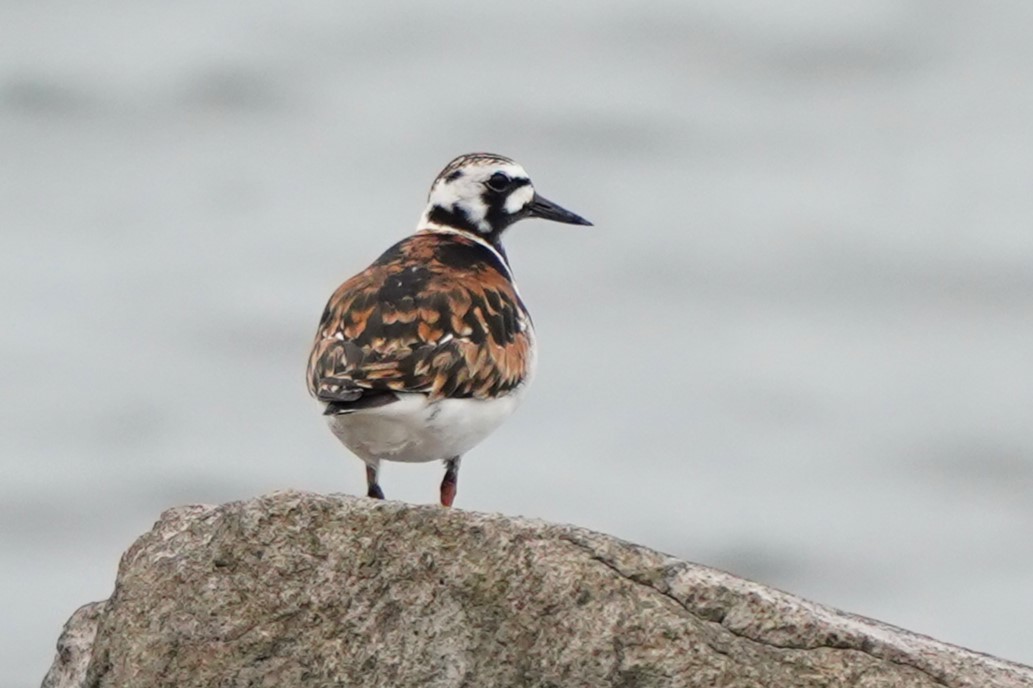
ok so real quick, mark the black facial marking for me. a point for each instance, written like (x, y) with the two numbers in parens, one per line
(496, 216)
(452, 176)
(454, 217)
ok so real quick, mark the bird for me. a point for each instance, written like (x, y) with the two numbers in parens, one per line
(427, 351)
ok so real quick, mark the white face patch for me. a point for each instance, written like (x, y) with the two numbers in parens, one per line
(519, 199)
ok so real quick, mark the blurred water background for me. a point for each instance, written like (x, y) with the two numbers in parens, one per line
(797, 345)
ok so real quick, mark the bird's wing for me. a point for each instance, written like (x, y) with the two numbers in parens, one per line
(436, 314)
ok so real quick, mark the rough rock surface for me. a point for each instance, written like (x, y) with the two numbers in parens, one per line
(296, 589)
(74, 648)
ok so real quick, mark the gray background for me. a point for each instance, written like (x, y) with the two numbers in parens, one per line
(797, 344)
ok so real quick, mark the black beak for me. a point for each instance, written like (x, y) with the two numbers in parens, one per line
(547, 210)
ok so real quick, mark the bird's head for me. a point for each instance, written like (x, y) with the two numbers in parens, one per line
(484, 193)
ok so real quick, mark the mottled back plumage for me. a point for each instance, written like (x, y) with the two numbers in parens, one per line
(436, 313)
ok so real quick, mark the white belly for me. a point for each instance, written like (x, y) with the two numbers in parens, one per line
(413, 429)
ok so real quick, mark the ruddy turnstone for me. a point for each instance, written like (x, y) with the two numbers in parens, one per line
(424, 353)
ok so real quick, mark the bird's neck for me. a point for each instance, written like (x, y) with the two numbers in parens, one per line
(437, 218)
(490, 242)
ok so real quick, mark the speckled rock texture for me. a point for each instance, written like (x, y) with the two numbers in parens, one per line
(296, 589)
(74, 648)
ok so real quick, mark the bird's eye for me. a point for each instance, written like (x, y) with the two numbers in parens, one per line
(498, 182)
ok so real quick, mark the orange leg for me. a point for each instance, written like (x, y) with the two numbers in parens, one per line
(450, 482)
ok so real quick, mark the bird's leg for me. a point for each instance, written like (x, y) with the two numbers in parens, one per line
(372, 488)
(451, 479)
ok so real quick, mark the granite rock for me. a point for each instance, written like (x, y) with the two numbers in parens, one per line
(299, 589)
